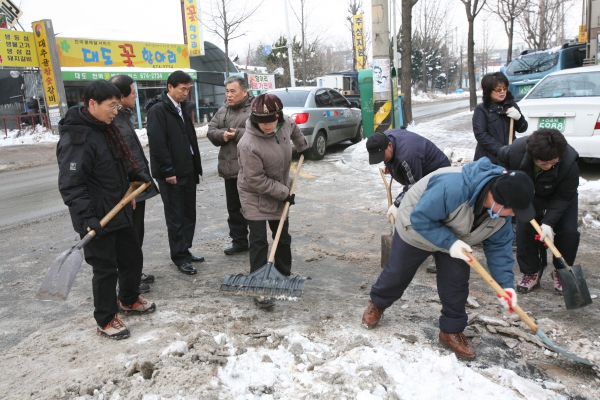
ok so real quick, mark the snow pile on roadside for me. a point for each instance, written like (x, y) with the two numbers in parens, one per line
(28, 136)
(589, 203)
(427, 97)
(143, 134)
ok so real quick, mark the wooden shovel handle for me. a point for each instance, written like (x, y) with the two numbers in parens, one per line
(285, 212)
(388, 187)
(490, 281)
(511, 130)
(129, 195)
(550, 245)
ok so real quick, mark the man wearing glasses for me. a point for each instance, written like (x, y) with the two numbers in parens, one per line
(95, 168)
(176, 165)
(551, 164)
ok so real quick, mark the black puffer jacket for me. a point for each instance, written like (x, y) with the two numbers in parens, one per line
(90, 180)
(170, 140)
(555, 188)
(491, 126)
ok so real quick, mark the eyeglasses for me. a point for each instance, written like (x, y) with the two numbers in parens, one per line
(500, 89)
(115, 108)
(547, 163)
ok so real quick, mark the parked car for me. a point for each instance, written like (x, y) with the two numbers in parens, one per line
(569, 101)
(324, 116)
(527, 69)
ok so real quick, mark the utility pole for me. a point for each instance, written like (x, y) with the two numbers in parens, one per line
(289, 46)
(382, 92)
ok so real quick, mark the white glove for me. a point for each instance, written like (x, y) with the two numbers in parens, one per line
(509, 302)
(392, 211)
(513, 113)
(547, 231)
(456, 250)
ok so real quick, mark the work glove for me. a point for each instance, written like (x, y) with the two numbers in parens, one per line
(93, 224)
(142, 176)
(290, 199)
(513, 113)
(391, 212)
(510, 301)
(456, 250)
(547, 231)
(306, 152)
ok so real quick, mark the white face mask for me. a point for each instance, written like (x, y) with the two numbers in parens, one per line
(492, 215)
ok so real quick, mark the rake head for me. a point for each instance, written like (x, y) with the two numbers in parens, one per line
(265, 281)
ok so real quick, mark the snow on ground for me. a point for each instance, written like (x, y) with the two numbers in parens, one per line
(422, 97)
(28, 136)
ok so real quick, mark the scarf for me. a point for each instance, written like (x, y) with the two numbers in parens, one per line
(116, 142)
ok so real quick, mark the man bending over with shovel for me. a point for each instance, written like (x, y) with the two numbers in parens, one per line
(443, 215)
(551, 164)
(95, 168)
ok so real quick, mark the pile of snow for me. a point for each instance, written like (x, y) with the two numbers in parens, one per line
(427, 97)
(28, 136)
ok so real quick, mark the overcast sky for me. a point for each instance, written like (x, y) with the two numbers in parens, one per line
(160, 20)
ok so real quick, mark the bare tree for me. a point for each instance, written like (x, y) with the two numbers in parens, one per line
(541, 22)
(227, 17)
(308, 40)
(508, 11)
(406, 62)
(473, 8)
(485, 48)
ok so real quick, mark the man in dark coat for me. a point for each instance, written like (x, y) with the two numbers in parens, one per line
(176, 165)
(491, 119)
(125, 124)
(95, 168)
(225, 130)
(552, 165)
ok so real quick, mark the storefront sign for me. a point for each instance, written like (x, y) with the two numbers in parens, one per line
(261, 82)
(136, 76)
(192, 29)
(12, 12)
(120, 53)
(359, 41)
(17, 49)
(46, 67)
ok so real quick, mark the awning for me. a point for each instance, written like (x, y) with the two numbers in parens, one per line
(138, 74)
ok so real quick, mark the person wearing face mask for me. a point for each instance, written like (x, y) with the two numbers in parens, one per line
(551, 164)
(265, 157)
(444, 214)
(491, 118)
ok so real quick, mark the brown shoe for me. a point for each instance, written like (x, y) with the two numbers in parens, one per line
(372, 315)
(457, 342)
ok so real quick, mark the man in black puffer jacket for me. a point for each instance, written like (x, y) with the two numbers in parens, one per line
(95, 168)
(552, 166)
(176, 165)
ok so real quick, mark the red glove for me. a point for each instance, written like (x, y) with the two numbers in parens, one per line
(537, 237)
(509, 301)
(387, 171)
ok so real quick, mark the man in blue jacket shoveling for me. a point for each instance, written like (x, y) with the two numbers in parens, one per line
(443, 215)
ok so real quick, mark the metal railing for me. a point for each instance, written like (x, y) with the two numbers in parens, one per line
(25, 119)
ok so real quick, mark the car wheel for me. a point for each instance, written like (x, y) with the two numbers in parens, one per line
(319, 146)
(359, 134)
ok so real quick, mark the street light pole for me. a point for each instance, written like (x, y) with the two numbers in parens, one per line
(289, 46)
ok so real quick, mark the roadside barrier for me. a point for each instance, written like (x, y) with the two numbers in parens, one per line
(25, 119)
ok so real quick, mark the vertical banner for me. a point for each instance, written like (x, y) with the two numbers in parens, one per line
(192, 28)
(359, 41)
(54, 91)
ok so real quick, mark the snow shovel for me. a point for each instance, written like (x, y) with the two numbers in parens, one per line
(267, 280)
(575, 289)
(386, 240)
(61, 275)
(539, 333)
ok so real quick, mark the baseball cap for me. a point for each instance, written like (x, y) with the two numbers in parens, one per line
(515, 190)
(376, 145)
(265, 107)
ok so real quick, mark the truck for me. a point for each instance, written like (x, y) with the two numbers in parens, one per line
(344, 82)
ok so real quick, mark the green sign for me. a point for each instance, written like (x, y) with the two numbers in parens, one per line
(149, 75)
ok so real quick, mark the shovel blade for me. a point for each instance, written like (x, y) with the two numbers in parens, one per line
(61, 275)
(575, 290)
(560, 350)
(386, 248)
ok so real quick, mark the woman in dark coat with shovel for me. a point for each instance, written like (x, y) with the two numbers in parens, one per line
(265, 156)
(552, 166)
(491, 119)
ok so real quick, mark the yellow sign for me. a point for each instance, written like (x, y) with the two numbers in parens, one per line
(17, 49)
(583, 35)
(120, 53)
(359, 42)
(46, 68)
(192, 29)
